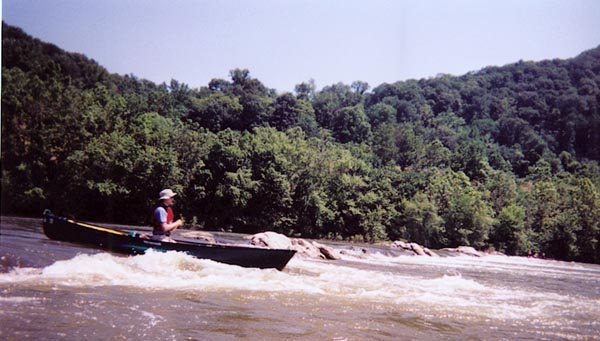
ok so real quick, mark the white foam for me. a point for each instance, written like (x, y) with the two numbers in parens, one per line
(444, 293)
(153, 319)
(510, 264)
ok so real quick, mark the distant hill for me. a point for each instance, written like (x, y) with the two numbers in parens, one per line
(31, 55)
(554, 103)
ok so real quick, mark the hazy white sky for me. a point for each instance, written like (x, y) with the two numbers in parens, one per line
(286, 42)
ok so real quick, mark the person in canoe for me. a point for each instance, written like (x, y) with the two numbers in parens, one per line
(162, 218)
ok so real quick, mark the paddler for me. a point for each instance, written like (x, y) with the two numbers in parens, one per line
(162, 219)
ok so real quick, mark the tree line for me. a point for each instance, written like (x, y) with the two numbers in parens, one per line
(504, 158)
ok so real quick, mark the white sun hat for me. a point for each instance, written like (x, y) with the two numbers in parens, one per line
(166, 194)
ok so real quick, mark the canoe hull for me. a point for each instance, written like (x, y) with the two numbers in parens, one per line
(59, 228)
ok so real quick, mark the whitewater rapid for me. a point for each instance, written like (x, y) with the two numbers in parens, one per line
(449, 292)
(60, 290)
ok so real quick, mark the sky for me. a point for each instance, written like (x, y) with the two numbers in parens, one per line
(286, 42)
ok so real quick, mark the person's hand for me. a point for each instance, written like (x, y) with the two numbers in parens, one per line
(179, 223)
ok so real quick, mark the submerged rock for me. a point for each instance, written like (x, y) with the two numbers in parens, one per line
(430, 253)
(328, 252)
(418, 249)
(414, 247)
(401, 244)
(355, 252)
(306, 248)
(467, 250)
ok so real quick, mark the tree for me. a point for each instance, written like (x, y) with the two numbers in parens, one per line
(306, 119)
(542, 209)
(306, 90)
(434, 155)
(503, 189)
(254, 97)
(420, 222)
(467, 217)
(410, 145)
(217, 84)
(360, 87)
(217, 112)
(350, 125)
(384, 144)
(330, 100)
(290, 112)
(227, 182)
(381, 113)
(509, 233)
(470, 158)
(586, 203)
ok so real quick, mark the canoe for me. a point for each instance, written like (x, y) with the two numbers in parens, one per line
(69, 230)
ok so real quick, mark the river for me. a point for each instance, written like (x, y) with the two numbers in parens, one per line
(58, 290)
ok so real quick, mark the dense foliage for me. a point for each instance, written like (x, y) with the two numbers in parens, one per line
(506, 157)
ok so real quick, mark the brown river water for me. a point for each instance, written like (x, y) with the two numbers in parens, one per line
(55, 290)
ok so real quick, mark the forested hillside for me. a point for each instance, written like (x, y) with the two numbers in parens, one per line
(505, 157)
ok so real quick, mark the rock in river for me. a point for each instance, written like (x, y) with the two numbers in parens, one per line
(304, 247)
(200, 235)
(467, 250)
(271, 240)
(414, 247)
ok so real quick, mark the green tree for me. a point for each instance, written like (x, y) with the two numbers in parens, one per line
(542, 209)
(330, 100)
(410, 145)
(254, 97)
(470, 157)
(503, 189)
(217, 111)
(434, 155)
(381, 113)
(587, 205)
(306, 90)
(509, 232)
(420, 222)
(384, 144)
(290, 112)
(360, 87)
(467, 216)
(350, 125)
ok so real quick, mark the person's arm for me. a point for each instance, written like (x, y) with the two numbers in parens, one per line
(172, 226)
